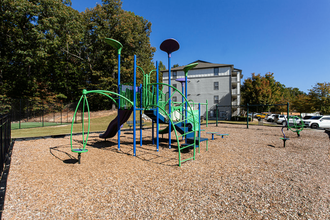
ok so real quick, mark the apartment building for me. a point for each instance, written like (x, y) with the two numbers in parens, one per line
(219, 84)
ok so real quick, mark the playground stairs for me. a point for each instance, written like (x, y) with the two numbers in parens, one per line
(186, 131)
(179, 126)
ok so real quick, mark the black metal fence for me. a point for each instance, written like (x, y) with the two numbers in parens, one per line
(28, 114)
(5, 138)
(243, 112)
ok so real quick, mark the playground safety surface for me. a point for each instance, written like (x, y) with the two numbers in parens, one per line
(246, 175)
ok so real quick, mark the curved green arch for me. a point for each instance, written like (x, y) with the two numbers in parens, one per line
(163, 110)
(107, 94)
(81, 150)
(104, 92)
(84, 97)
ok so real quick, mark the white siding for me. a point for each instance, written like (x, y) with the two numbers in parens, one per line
(201, 88)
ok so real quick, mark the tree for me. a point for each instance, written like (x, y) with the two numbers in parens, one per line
(320, 97)
(161, 66)
(48, 49)
(302, 103)
(261, 90)
(35, 33)
(299, 101)
(110, 21)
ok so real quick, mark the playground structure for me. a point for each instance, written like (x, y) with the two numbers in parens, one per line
(284, 138)
(180, 117)
(297, 124)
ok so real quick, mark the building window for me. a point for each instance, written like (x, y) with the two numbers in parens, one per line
(216, 99)
(216, 85)
(174, 99)
(216, 71)
(174, 74)
(175, 86)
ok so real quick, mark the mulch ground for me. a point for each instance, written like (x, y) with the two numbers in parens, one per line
(246, 175)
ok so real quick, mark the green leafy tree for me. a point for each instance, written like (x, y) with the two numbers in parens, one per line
(110, 21)
(153, 75)
(262, 90)
(296, 98)
(20, 47)
(302, 103)
(161, 66)
(62, 28)
(49, 50)
(35, 33)
(320, 97)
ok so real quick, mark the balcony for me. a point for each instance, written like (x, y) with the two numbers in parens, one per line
(234, 92)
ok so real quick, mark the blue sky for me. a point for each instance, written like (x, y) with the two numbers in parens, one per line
(290, 38)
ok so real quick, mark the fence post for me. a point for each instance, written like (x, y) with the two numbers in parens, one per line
(287, 110)
(27, 110)
(2, 144)
(67, 115)
(61, 112)
(9, 132)
(20, 113)
(5, 138)
(247, 118)
(75, 120)
(207, 114)
(43, 112)
(40, 112)
(216, 110)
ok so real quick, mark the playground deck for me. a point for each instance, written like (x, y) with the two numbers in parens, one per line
(247, 175)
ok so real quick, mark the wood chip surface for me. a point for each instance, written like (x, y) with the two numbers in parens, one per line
(246, 175)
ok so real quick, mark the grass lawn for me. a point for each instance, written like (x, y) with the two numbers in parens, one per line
(254, 122)
(97, 125)
(25, 125)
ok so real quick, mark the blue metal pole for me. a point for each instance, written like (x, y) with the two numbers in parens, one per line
(169, 103)
(134, 108)
(118, 117)
(157, 98)
(140, 114)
